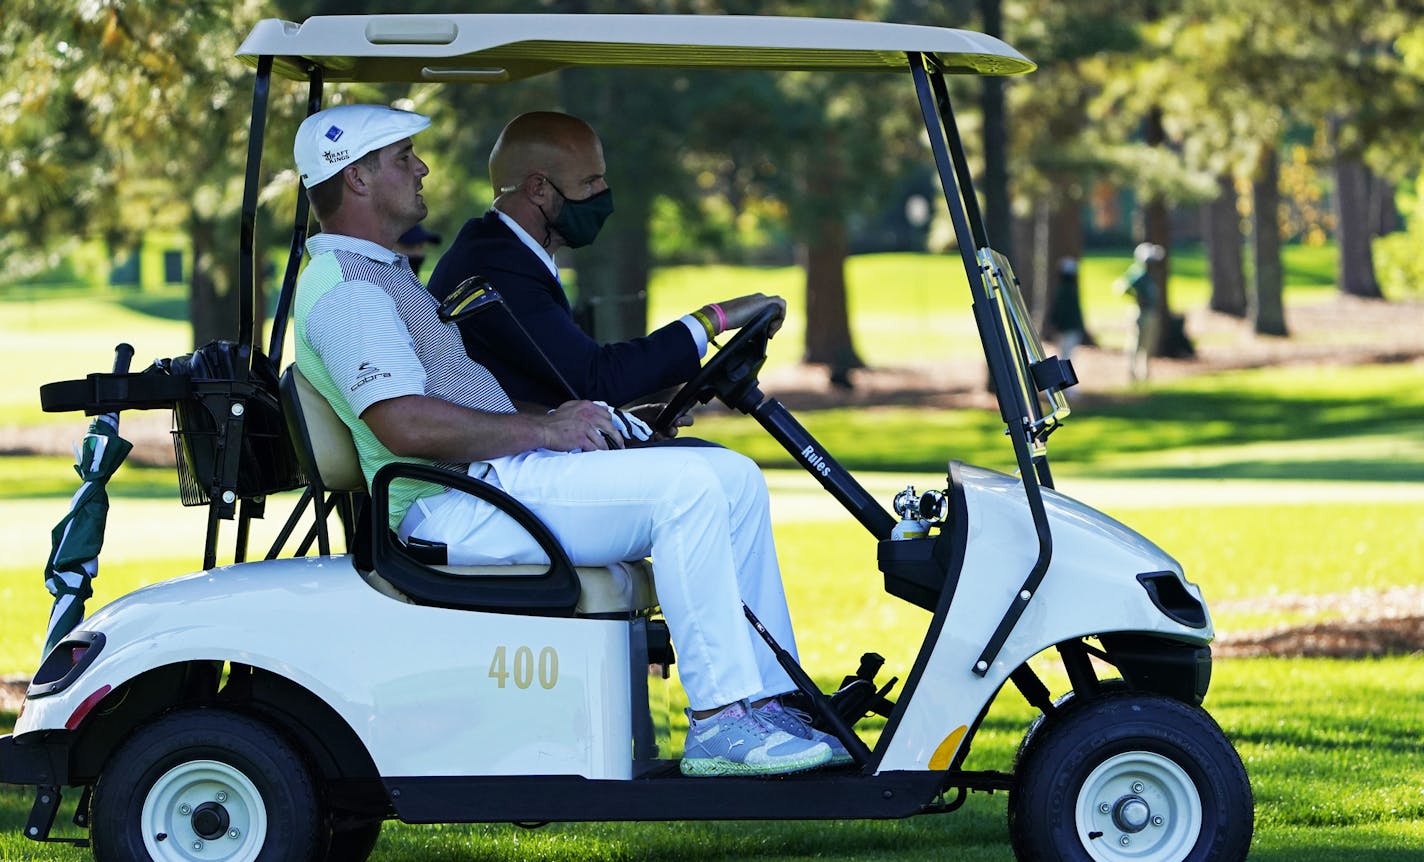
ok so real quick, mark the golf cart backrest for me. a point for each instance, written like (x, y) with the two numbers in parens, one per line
(328, 455)
(324, 445)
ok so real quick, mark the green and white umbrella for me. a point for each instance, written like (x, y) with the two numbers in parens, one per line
(77, 538)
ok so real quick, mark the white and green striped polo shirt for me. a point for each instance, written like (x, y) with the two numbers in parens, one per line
(368, 331)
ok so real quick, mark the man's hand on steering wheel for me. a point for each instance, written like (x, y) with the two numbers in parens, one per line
(736, 313)
(731, 372)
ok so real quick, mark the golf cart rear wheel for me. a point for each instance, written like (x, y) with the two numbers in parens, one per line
(206, 785)
(1132, 777)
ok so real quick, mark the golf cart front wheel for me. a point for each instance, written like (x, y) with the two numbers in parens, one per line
(206, 785)
(1132, 778)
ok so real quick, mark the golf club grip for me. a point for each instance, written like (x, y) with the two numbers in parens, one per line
(123, 355)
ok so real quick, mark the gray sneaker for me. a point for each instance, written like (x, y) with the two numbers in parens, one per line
(739, 741)
(797, 723)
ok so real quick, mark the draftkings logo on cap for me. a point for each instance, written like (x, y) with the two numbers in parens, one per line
(360, 129)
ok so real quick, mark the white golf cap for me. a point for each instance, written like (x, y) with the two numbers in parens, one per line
(332, 139)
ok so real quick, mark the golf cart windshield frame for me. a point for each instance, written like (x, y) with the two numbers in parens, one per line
(501, 48)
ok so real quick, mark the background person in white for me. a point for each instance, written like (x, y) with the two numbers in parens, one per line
(370, 340)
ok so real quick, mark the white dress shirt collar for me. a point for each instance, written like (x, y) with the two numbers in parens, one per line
(528, 240)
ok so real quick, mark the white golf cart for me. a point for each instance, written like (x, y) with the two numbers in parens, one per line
(283, 709)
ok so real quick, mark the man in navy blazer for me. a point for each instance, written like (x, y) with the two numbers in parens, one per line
(547, 170)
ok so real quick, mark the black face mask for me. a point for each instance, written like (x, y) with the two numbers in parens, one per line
(580, 221)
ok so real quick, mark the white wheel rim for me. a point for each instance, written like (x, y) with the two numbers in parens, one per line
(169, 809)
(1138, 806)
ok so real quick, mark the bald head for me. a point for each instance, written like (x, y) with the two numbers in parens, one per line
(556, 145)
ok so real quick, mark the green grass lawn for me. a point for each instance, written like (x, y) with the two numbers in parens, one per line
(904, 308)
(1331, 748)
(1334, 423)
(1262, 482)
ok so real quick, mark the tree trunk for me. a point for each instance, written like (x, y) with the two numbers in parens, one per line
(997, 216)
(828, 337)
(1267, 309)
(612, 274)
(1222, 229)
(1061, 237)
(1040, 265)
(1172, 340)
(1355, 273)
(212, 305)
(1384, 215)
(1025, 256)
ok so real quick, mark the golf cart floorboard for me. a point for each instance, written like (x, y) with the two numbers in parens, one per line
(665, 794)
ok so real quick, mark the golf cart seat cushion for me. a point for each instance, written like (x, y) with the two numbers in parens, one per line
(620, 589)
(617, 590)
(327, 452)
(324, 444)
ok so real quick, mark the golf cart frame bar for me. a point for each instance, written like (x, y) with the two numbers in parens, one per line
(501, 48)
(957, 183)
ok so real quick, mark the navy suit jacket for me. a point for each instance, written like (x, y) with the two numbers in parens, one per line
(619, 373)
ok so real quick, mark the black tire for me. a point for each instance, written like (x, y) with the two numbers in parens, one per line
(1062, 705)
(354, 842)
(201, 775)
(1146, 758)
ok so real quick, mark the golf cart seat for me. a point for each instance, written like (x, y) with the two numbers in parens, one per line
(418, 573)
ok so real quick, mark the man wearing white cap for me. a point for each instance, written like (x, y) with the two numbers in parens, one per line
(370, 340)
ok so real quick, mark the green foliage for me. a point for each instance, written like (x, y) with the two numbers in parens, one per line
(1398, 262)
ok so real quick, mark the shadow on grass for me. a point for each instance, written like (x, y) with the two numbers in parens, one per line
(158, 483)
(1308, 849)
(1334, 470)
(168, 306)
(975, 832)
(1105, 429)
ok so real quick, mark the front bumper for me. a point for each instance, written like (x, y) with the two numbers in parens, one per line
(41, 757)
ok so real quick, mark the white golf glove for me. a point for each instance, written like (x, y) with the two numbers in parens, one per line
(630, 426)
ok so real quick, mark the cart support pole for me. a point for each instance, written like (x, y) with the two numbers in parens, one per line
(955, 180)
(827, 713)
(300, 220)
(246, 257)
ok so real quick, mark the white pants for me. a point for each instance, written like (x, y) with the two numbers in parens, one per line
(702, 513)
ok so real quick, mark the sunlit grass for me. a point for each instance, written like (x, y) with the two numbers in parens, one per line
(1261, 483)
(1337, 423)
(1331, 748)
(42, 340)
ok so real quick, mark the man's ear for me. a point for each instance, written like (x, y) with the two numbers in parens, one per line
(355, 182)
(536, 187)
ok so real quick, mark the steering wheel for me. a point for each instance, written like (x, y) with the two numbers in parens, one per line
(730, 374)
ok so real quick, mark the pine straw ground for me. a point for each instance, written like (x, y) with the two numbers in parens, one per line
(1340, 331)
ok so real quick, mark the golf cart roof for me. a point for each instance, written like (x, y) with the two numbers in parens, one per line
(499, 48)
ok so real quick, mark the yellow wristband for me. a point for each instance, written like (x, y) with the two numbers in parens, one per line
(706, 323)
